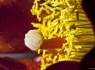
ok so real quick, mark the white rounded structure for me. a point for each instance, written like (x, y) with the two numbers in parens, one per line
(33, 39)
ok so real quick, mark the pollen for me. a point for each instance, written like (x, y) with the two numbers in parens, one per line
(64, 19)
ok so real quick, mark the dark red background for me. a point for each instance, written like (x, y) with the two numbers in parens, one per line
(15, 21)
